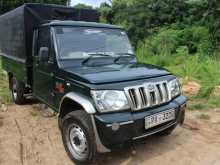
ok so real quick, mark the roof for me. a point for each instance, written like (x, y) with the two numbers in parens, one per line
(81, 23)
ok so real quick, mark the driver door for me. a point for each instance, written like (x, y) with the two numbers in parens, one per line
(43, 75)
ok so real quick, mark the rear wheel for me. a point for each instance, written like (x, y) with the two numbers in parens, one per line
(78, 137)
(17, 89)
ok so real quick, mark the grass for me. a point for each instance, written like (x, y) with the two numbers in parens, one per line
(34, 113)
(204, 70)
(204, 117)
(198, 103)
(5, 96)
(197, 106)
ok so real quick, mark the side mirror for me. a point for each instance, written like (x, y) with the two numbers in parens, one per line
(44, 54)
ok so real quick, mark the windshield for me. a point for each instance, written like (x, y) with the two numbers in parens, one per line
(80, 42)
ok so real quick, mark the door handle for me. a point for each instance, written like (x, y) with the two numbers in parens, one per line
(52, 94)
(51, 74)
(37, 59)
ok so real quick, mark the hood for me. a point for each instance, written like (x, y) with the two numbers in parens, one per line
(115, 73)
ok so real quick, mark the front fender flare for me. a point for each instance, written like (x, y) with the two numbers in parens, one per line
(88, 106)
(82, 100)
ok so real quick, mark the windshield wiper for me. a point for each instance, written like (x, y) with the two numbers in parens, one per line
(124, 55)
(93, 55)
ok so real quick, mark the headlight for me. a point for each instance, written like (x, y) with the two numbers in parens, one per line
(110, 100)
(175, 89)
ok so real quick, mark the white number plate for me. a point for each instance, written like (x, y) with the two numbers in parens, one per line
(159, 118)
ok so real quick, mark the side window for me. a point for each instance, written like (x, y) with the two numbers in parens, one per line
(44, 40)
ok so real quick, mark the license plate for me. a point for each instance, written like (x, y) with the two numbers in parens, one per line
(159, 118)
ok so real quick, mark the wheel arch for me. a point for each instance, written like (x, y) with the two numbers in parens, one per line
(85, 103)
(77, 101)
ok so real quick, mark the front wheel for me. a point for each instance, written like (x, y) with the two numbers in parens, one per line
(78, 137)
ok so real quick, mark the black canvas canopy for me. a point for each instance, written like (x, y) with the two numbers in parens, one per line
(16, 26)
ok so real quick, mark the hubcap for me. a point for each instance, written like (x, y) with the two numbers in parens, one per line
(14, 91)
(78, 143)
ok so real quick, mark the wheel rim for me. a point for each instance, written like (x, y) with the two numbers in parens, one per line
(78, 145)
(14, 91)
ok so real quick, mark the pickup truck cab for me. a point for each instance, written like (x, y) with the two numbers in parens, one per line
(88, 73)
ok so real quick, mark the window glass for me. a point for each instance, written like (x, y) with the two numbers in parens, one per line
(79, 42)
(44, 40)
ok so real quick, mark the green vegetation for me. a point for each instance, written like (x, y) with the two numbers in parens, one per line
(204, 117)
(186, 52)
(34, 113)
(142, 18)
(198, 103)
(82, 6)
(201, 68)
(7, 5)
(181, 35)
(5, 96)
(205, 71)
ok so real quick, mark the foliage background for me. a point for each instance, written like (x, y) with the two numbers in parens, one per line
(7, 5)
(180, 35)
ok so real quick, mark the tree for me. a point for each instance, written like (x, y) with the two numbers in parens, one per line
(139, 17)
(106, 12)
(142, 18)
(82, 6)
(7, 5)
(213, 19)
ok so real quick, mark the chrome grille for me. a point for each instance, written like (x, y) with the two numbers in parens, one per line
(148, 95)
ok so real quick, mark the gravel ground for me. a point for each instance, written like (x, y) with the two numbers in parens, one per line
(29, 138)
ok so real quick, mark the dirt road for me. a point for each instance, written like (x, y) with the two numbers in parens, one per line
(28, 138)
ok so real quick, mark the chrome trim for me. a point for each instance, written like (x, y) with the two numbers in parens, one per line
(158, 130)
(122, 123)
(138, 96)
(148, 94)
(80, 99)
(68, 84)
(100, 147)
(183, 106)
(164, 92)
(55, 46)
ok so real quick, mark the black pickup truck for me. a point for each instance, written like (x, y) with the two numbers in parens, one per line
(88, 73)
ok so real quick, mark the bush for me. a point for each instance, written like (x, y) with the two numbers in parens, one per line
(4, 90)
(175, 40)
(209, 75)
(197, 39)
(202, 69)
(165, 42)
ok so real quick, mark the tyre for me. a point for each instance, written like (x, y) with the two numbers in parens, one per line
(17, 89)
(167, 131)
(78, 137)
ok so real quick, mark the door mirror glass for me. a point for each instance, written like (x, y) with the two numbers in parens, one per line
(44, 54)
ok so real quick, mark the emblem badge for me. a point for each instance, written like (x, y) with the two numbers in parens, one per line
(150, 87)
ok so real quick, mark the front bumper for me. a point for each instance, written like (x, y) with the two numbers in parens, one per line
(118, 128)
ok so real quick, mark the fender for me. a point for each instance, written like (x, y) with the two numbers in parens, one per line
(82, 100)
(86, 103)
